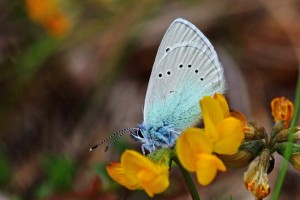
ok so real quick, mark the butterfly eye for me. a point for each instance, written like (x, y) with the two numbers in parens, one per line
(167, 50)
(139, 133)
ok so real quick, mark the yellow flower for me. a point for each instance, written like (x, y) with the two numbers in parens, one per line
(282, 109)
(226, 133)
(222, 134)
(221, 100)
(194, 151)
(138, 172)
(48, 14)
(227, 113)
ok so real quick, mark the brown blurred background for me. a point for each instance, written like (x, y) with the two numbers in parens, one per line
(74, 72)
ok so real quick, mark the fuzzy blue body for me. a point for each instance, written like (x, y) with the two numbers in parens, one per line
(153, 138)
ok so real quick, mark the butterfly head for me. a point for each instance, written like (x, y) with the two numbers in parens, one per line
(155, 137)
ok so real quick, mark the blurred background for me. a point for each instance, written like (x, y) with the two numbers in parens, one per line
(73, 72)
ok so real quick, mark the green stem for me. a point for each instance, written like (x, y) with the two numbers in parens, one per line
(188, 180)
(288, 152)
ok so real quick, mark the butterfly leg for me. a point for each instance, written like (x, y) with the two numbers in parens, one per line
(143, 149)
(148, 147)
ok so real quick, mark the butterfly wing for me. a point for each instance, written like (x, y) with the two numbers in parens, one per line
(186, 68)
(180, 33)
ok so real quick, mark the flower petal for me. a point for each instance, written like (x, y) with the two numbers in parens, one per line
(211, 130)
(116, 172)
(153, 178)
(207, 167)
(256, 180)
(231, 135)
(223, 103)
(154, 182)
(211, 109)
(133, 162)
(192, 142)
(240, 116)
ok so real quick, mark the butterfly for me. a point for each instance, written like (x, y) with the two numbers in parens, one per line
(185, 69)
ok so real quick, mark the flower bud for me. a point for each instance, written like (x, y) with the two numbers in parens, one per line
(295, 153)
(237, 160)
(255, 132)
(283, 135)
(295, 160)
(256, 177)
(246, 153)
(253, 146)
(282, 109)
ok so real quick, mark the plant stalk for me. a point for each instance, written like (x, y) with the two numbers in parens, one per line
(188, 180)
(288, 152)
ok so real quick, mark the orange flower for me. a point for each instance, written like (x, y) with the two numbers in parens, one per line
(58, 25)
(48, 14)
(282, 110)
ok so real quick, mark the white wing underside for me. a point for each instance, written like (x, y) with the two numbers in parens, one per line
(186, 68)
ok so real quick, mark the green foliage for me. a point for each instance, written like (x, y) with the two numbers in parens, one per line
(5, 171)
(43, 191)
(59, 172)
(121, 145)
(100, 170)
(230, 198)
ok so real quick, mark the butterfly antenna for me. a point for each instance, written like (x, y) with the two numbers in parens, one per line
(118, 134)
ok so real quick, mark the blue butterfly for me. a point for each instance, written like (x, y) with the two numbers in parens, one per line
(186, 68)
